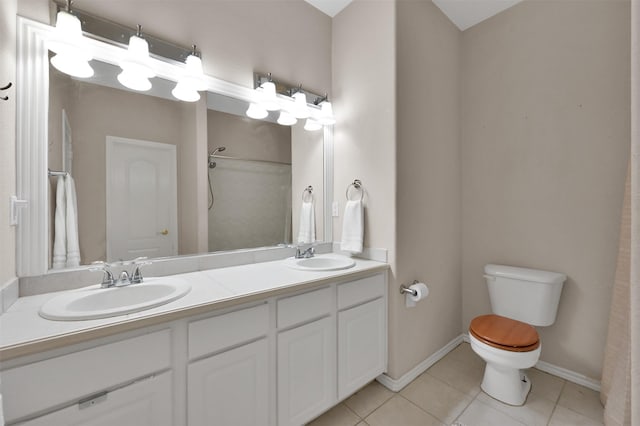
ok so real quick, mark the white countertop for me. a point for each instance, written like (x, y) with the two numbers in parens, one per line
(23, 331)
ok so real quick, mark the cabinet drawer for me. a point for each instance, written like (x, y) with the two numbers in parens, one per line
(355, 292)
(223, 331)
(303, 307)
(41, 385)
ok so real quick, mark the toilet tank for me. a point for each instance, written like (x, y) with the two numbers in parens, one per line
(527, 295)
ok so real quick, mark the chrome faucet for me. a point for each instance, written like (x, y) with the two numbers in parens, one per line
(305, 254)
(107, 278)
(124, 278)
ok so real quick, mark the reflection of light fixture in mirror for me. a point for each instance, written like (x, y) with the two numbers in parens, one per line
(256, 111)
(268, 97)
(286, 119)
(300, 109)
(68, 44)
(312, 125)
(192, 80)
(326, 113)
(136, 69)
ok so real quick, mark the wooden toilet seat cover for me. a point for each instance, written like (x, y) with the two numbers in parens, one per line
(505, 333)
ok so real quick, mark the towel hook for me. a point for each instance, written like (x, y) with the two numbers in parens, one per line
(5, 98)
(356, 184)
(308, 190)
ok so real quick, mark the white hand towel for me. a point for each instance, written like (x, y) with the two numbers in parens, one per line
(307, 231)
(73, 245)
(353, 227)
(60, 234)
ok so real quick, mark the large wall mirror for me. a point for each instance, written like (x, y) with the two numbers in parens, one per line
(155, 176)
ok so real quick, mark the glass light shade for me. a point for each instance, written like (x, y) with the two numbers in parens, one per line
(136, 67)
(68, 44)
(185, 93)
(193, 76)
(300, 109)
(74, 65)
(286, 119)
(312, 125)
(269, 99)
(326, 114)
(256, 111)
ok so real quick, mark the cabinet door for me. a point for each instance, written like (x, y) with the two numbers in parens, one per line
(306, 371)
(231, 388)
(144, 403)
(362, 349)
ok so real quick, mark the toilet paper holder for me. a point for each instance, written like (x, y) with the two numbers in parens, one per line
(405, 289)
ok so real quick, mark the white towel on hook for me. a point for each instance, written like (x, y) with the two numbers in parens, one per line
(353, 227)
(307, 230)
(73, 245)
(60, 223)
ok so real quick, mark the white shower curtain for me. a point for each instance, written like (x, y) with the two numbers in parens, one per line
(621, 370)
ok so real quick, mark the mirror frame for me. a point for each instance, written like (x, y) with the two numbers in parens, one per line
(32, 109)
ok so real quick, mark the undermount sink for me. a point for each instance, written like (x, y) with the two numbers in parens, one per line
(94, 303)
(321, 263)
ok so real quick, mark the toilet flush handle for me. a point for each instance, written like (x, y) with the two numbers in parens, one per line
(489, 277)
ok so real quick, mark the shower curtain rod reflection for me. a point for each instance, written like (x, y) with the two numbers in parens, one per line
(226, 157)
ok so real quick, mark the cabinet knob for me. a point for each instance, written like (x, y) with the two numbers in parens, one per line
(165, 232)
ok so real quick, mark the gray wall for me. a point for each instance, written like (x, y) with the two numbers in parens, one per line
(545, 142)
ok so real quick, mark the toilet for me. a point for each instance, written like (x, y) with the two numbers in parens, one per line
(506, 339)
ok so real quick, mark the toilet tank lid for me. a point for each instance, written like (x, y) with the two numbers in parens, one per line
(525, 274)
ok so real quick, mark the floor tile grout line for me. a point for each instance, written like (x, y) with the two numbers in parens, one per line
(349, 408)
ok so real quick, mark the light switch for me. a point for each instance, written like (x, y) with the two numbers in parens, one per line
(334, 209)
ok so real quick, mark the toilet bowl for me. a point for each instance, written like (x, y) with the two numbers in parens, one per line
(506, 340)
(507, 346)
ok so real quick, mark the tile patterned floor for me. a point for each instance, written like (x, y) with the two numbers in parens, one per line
(449, 392)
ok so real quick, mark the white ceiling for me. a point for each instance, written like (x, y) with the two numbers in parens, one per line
(463, 13)
(330, 7)
(466, 13)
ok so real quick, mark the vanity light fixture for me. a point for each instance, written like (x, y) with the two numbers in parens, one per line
(326, 111)
(68, 44)
(267, 95)
(286, 118)
(300, 109)
(136, 67)
(192, 81)
(312, 125)
(256, 111)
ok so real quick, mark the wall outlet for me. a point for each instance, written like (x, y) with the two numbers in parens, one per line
(334, 209)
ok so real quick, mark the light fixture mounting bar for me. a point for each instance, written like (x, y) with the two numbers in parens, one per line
(284, 88)
(114, 33)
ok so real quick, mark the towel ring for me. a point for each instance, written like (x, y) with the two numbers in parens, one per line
(356, 184)
(308, 190)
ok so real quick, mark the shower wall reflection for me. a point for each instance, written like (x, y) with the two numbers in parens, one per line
(250, 178)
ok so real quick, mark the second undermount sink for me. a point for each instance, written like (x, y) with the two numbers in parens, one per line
(321, 263)
(95, 302)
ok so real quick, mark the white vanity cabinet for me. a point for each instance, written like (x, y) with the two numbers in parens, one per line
(126, 382)
(362, 333)
(143, 403)
(306, 356)
(230, 387)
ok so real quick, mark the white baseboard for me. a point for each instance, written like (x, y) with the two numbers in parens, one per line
(569, 375)
(563, 373)
(396, 385)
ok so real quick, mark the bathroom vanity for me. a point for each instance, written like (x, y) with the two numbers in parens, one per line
(258, 344)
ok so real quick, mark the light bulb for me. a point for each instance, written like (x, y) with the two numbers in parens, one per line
(300, 109)
(312, 125)
(69, 45)
(326, 114)
(136, 67)
(269, 99)
(286, 119)
(256, 111)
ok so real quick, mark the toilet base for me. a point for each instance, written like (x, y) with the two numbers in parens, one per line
(508, 385)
